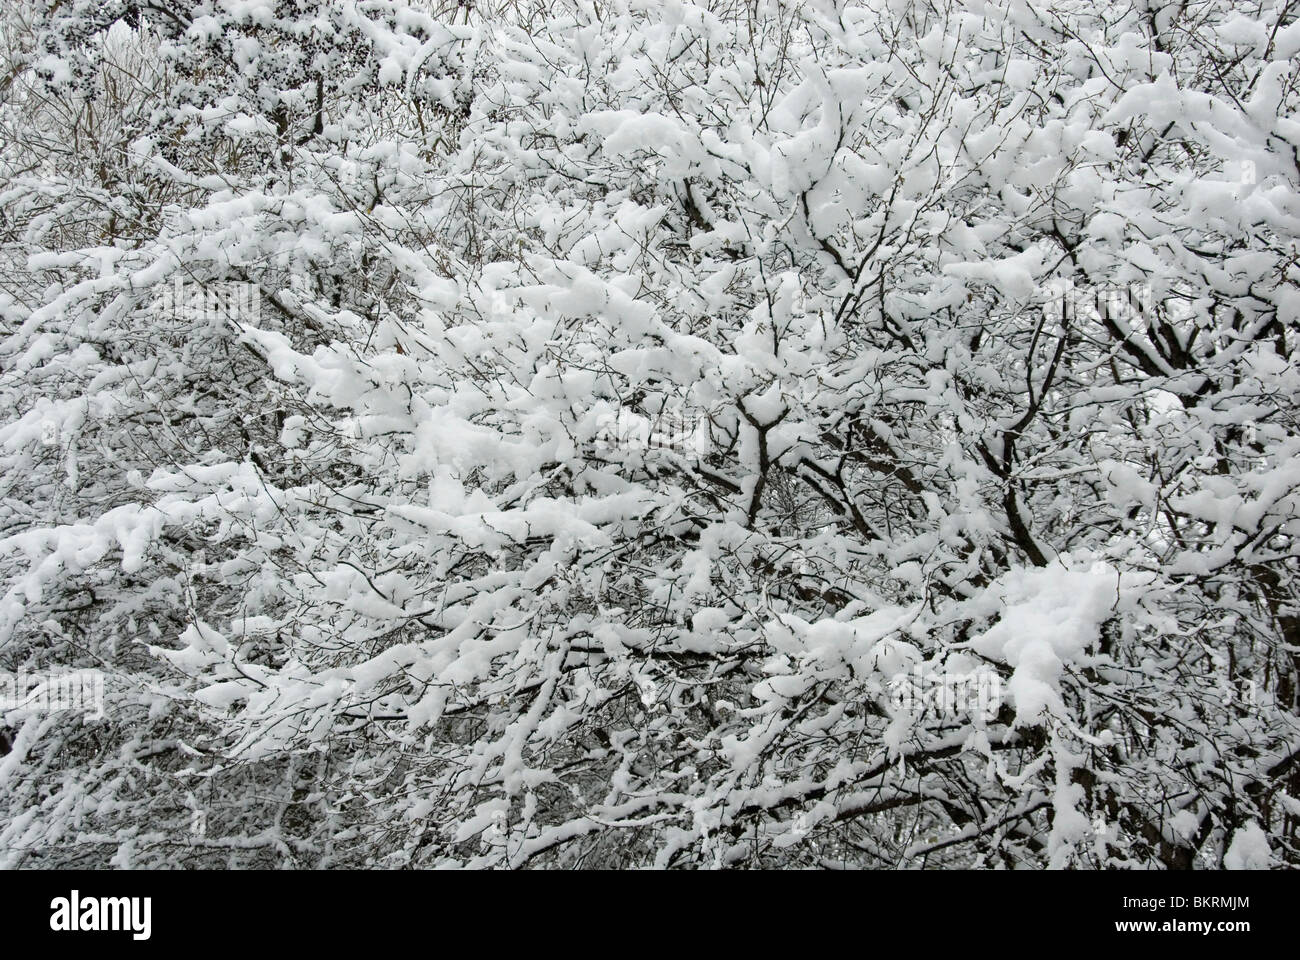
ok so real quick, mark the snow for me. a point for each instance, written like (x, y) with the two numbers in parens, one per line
(1050, 619)
(1249, 849)
(651, 435)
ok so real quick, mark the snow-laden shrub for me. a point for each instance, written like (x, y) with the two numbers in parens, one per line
(647, 433)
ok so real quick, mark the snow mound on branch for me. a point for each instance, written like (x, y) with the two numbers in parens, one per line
(1248, 850)
(1047, 618)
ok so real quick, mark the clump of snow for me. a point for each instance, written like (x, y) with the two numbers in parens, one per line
(1047, 618)
(1248, 850)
